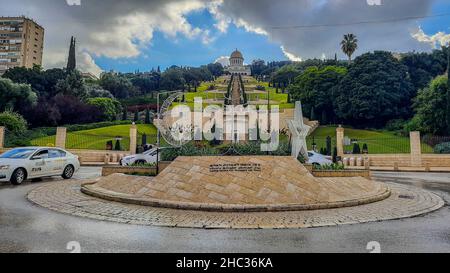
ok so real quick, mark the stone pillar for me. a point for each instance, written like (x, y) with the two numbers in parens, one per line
(416, 149)
(2, 136)
(133, 139)
(61, 133)
(340, 141)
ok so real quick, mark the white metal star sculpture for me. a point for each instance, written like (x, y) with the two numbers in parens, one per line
(299, 131)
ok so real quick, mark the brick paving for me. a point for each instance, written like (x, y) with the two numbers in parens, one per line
(67, 198)
(278, 184)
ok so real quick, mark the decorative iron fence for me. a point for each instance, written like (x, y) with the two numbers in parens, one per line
(435, 144)
(36, 137)
(84, 141)
(321, 145)
(381, 145)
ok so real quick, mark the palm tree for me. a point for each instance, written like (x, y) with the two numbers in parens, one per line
(349, 45)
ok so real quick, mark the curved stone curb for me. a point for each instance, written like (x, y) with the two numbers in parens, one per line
(404, 202)
(90, 189)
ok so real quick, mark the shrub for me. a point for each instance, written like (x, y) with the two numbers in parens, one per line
(82, 127)
(117, 147)
(13, 122)
(395, 125)
(329, 167)
(356, 149)
(365, 149)
(443, 148)
(110, 108)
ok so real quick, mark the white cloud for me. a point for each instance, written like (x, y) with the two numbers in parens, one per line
(435, 40)
(119, 29)
(113, 29)
(278, 20)
(223, 60)
(290, 56)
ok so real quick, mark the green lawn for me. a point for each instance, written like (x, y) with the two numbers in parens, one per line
(96, 139)
(379, 142)
(281, 99)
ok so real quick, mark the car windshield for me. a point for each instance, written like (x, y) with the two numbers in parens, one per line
(21, 153)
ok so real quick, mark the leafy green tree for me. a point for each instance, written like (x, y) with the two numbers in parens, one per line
(349, 45)
(110, 108)
(172, 79)
(315, 87)
(216, 69)
(424, 67)
(14, 122)
(430, 107)
(72, 85)
(136, 116)
(376, 89)
(118, 85)
(42, 82)
(14, 96)
(96, 91)
(285, 74)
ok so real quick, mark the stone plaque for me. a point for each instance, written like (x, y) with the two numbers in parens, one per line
(235, 167)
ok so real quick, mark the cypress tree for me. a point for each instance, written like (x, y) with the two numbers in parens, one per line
(324, 117)
(313, 114)
(117, 146)
(328, 150)
(125, 114)
(335, 155)
(365, 149)
(72, 62)
(136, 116)
(147, 116)
(356, 149)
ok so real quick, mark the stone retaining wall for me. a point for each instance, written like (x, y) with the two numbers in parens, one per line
(108, 170)
(396, 162)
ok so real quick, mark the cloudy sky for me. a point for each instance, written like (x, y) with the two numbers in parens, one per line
(141, 34)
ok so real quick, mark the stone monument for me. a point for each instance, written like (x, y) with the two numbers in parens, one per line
(299, 131)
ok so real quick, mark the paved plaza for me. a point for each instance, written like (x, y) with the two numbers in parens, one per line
(25, 227)
(404, 202)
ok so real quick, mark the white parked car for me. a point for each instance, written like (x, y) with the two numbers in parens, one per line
(318, 159)
(148, 157)
(20, 164)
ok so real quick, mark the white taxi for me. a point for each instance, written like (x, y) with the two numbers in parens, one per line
(20, 164)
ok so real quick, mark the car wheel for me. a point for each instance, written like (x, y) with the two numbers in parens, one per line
(18, 176)
(68, 172)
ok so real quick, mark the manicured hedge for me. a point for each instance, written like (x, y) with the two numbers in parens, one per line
(443, 148)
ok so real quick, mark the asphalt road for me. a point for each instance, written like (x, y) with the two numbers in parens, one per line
(25, 227)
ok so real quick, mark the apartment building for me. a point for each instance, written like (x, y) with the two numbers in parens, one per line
(21, 43)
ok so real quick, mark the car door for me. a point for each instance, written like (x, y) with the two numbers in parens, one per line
(57, 161)
(39, 164)
(151, 156)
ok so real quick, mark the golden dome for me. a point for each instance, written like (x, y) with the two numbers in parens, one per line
(236, 55)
